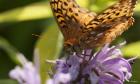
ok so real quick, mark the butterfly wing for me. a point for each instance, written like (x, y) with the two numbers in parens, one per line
(109, 24)
(70, 18)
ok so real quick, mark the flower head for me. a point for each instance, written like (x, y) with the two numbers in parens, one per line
(107, 66)
(27, 73)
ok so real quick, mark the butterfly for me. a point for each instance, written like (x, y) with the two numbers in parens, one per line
(83, 29)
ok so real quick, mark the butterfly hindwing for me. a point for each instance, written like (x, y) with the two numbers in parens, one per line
(71, 18)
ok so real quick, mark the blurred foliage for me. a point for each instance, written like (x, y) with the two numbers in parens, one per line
(22, 18)
(12, 53)
(50, 45)
(7, 81)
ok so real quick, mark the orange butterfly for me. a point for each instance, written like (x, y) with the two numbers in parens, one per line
(83, 29)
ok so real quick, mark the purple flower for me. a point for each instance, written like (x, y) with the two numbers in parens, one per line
(106, 66)
(28, 73)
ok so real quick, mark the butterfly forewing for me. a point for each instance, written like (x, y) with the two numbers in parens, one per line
(110, 23)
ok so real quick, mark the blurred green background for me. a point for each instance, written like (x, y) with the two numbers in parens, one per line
(19, 19)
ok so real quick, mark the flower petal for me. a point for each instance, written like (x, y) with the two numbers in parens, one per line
(109, 80)
(117, 63)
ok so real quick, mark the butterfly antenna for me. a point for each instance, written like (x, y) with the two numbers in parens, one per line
(35, 35)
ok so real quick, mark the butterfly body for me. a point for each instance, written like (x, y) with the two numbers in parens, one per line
(83, 29)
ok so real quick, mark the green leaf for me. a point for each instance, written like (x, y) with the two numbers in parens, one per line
(34, 11)
(83, 3)
(132, 49)
(99, 7)
(137, 8)
(7, 81)
(11, 51)
(49, 45)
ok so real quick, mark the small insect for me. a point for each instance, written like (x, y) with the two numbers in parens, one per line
(83, 29)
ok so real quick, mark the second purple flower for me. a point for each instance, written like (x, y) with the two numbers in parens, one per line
(106, 66)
